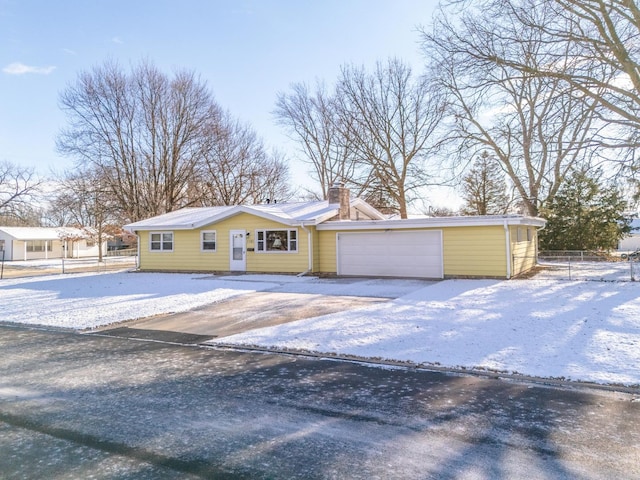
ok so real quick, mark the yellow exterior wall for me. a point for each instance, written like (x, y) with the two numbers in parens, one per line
(523, 248)
(467, 251)
(327, 245)
(475, 251)
(471, 251)
(187, 254)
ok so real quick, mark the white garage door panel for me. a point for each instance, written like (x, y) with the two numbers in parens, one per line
(398, 254)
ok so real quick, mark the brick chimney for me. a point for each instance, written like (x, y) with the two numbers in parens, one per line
(340, 195)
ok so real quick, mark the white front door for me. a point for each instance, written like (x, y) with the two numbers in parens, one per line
(237, 251)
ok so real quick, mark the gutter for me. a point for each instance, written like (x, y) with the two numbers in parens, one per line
(508, 245)
(309, 245)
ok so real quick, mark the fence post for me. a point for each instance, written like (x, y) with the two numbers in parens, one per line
(2, 266)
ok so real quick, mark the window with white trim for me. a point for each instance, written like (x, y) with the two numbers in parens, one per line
(161, 241)
(208, 241)
(38, 246)
(277, 240)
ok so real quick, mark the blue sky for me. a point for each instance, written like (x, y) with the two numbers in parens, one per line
(246, 51)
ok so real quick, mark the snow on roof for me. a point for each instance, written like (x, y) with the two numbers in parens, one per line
(300, 211)
(437, 222)
(194, 217)
(43, 233)
(185, 217)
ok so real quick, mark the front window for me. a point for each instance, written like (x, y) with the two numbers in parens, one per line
(208, 241)
(161, 241)
(277, 240)
(38, 246)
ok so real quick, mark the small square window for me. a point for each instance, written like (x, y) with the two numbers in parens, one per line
(161, 242)
(208, 241)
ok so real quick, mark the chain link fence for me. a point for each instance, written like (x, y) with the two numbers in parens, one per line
(30, 268)
(585, 265)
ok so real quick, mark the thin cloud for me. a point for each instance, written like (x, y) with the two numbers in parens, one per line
(18, 68)
(68, 51)
(117, 40)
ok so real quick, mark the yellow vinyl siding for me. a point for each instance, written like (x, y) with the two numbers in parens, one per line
(523, 248)
(327, 244)
(188, 256)
(475, 251)
(467, 251)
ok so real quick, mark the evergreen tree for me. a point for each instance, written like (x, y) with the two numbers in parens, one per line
(484, 188)
(584, 215)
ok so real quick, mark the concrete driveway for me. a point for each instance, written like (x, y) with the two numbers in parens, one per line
(239, 314)
(255, 310)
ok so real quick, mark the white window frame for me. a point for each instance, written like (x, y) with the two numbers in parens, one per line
(161, 241)
(262, 240)
(38, 246)
(202, 241)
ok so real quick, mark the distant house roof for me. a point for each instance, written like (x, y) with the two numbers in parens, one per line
(309, 213)
(44, 233)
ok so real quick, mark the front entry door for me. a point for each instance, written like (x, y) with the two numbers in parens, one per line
(238, 251)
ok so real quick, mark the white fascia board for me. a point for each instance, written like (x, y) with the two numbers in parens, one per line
(438, 222)
(366, 208)
(238, 209)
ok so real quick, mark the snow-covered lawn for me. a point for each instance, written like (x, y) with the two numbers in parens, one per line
(579, 330)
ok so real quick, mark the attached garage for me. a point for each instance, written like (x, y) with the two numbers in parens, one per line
(391, 253)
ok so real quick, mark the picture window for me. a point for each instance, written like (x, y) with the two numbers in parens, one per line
(277, 240)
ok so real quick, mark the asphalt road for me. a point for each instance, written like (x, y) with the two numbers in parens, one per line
(86, 406)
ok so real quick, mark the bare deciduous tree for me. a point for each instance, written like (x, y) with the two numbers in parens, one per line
(236, 169)
(537, 127)
(18, 186)
(601, 38)
(392, 119)
(84, 200)
(377, 132)
(144, 132)
(311, 119)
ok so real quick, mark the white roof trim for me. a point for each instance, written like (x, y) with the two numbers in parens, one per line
(272, 212)
(46, 233)
(434, 222)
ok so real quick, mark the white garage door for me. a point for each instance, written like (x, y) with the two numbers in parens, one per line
(391, 254)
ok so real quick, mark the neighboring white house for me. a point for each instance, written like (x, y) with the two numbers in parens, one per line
(30, 243)
(633, 241)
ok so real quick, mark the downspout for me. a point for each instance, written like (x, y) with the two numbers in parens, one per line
(309, 247)
(137, 251)
(538, 240)
(508, 245)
